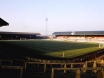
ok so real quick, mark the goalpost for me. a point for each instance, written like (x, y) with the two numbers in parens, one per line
(22, 38)
(101, 45)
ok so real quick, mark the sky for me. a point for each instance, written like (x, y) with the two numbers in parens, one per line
(63, 15)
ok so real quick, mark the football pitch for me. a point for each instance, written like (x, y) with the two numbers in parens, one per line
(56, 49)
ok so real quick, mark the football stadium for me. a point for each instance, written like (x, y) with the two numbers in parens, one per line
(78, 54)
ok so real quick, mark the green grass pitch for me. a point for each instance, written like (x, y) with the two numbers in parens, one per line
(56, 48)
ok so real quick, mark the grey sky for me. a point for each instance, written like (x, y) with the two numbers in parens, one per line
(63, 15)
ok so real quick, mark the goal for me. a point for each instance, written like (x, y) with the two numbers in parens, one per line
(22, 38)
(101, 45)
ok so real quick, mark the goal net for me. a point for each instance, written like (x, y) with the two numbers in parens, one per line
(22, 38)
(101, 45)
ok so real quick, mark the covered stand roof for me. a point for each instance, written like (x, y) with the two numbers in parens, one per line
(20, 33)
(3, 23)
(80, 33)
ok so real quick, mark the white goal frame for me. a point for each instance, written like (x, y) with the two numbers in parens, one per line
(22, 38)
(101, 45)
